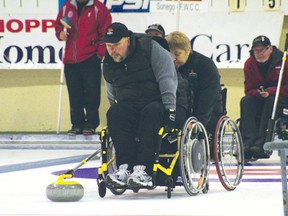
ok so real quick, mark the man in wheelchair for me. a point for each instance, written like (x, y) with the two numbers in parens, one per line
(261, 71)
(141, 84)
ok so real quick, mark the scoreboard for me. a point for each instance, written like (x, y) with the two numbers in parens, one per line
(267, 5)
(52, 6)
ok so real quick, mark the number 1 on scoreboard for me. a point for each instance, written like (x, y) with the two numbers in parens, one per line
(237, 5)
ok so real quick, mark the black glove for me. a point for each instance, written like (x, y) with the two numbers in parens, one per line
(169, 119)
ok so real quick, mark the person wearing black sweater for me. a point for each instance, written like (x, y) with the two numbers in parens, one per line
(205, 99)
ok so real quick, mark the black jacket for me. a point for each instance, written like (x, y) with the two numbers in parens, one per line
(204, 80)
(133, 79)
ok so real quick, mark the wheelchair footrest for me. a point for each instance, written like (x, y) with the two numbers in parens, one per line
(110, 186)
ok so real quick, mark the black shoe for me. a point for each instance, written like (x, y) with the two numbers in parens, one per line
(262, 155)
(88, 131)
(258, 152)
(74, 131)
(247, 154)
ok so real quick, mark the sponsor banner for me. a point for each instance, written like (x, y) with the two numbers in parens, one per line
(123, 6)
(120, 6)
(157, 6)
(28, 41)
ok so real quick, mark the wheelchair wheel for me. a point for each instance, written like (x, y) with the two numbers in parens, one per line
(111, 155)
(112, 167)
(228, 153)
(102, 189)
(108, 159)
(194, 156)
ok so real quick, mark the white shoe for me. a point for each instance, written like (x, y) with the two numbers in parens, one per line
(139, 178)
(119, 177)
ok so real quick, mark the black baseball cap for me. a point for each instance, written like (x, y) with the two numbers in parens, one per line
(115, 32)
(261, 40)
(156, 27)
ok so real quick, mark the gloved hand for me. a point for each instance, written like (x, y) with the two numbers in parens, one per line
(169, 120)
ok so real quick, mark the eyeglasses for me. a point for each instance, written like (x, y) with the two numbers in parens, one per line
(260, 50)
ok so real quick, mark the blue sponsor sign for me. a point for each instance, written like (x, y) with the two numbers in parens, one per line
(60, 3)
(118, 6)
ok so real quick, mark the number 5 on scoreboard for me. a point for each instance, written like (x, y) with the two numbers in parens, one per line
(237, 5)
(271, 5)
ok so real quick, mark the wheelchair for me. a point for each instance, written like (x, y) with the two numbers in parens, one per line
(277, 128)
(186, 162)
(281, 124)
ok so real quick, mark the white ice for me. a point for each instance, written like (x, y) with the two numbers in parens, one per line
(24, 193)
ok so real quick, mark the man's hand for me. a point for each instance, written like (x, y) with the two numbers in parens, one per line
(263, 93)
(63, 35)
(169, 120)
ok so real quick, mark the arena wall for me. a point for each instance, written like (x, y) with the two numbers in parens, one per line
(29, 99)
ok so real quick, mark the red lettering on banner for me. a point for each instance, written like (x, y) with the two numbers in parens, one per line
(46, 24)
(2, 27)
(29, 24)
(11, 24)
(16, 26)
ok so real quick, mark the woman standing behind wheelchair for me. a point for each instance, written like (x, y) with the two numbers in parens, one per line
(261, 73)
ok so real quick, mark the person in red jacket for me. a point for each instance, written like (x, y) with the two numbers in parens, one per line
(82, 60)
(261, 73)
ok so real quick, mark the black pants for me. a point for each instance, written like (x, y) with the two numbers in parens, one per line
(181, 117)
(255, 114)
(84, 83)
(127, 121)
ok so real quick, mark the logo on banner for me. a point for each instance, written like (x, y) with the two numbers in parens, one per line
(118, 6)
(127, 5)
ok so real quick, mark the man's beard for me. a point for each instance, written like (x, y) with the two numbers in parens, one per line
(117, 58)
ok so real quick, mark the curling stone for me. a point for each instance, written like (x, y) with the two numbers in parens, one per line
(64, 191)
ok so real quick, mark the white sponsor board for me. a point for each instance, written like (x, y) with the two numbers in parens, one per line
(27, 40)
(178, 6)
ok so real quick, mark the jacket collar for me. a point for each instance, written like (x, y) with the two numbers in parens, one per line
(90, 2)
